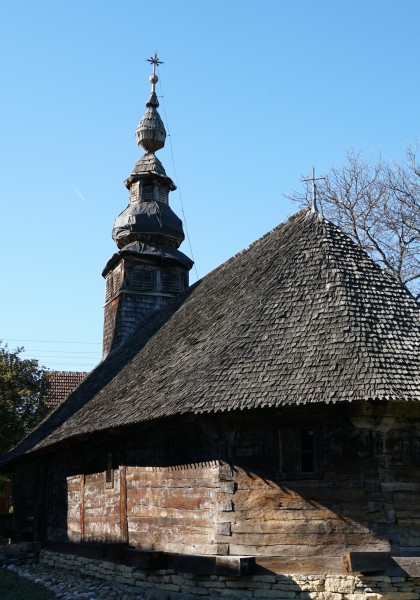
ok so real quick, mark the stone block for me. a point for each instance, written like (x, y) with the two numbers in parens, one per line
(276, 592)
(171, 587)
(341, 585)
(144, 584)
(264, 578)
(215, 584)
(231, 593)
(190, 591)
(325, 596)
(287, 586)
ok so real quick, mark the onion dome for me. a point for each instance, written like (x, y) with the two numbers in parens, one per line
(150, 132)
(148, 219)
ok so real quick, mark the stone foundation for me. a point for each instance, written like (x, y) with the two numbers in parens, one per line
(166, 584)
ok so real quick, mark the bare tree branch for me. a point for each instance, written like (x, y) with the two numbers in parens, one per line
(378, 204)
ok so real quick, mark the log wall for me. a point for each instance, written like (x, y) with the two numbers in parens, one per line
(214, 486)
(173, 509)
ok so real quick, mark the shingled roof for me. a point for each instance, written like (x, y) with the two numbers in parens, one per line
(62, 383)
(302, 316)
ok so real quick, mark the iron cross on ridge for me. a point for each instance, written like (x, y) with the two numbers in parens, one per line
(314, 207)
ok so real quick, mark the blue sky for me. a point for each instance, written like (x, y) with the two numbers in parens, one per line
(255, 93)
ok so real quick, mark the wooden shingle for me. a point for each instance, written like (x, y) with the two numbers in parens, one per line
(303, 316)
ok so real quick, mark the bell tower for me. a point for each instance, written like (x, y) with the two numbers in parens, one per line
(148, 268)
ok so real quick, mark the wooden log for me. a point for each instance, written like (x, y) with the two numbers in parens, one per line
(310, 539)
(407, 565)
(82, 507)
(123, 504)
(145, 526)
(364, 562)
(234, 565)
(299, 565)
(320, 549)
(143, 560)
(196, 565)
(303, 526)
(140, 511)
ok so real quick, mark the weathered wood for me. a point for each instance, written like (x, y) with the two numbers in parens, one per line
(364, 562)
(407, 565)
(234, 565)
(318, 549)
(320, 539)
(143, 560)
(300, 526)
(123, 504)
(82, 507)
(306, 565)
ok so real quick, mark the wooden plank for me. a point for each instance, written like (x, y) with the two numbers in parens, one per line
(409, 565)
(364, 562)
(141, 511)
(302, 526)
(321, 548)
(298, 539)
(176, 547)
(145, 526)
(301, 565)
(196, 565)
(82, 507)
(123, 504)
(170, 522)
(143, 560)
(234, 565)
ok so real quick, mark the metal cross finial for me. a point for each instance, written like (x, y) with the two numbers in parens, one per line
(314, 207)
(153, 60)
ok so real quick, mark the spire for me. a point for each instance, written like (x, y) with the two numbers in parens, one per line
(148, 269)
(150, 132)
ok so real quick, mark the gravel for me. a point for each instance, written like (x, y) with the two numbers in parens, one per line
(71, 585)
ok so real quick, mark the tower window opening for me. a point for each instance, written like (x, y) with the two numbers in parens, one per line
(172, 281)
(163, 195)
(142, 279)
(148, 192)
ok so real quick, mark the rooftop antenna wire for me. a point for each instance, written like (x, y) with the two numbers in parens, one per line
(176, 177)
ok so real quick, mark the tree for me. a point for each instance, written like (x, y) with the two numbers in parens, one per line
(23, 388)
(378, 205)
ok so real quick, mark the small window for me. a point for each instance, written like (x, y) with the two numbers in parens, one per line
(163, 195)
(142, 279)
(298, 451)
(172, 281)
(117, 280)
(148, 193)
(108, 288)
(109, 471)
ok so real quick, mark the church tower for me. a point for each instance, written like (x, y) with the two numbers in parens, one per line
(148, 268)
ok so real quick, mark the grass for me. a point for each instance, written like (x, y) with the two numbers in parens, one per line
(13, 587)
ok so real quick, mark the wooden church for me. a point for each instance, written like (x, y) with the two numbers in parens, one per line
(268, 415)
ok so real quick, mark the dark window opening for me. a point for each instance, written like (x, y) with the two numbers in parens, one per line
(298, 451)
(172, 281)
(148, 192)
(163, 195)
(142, 279)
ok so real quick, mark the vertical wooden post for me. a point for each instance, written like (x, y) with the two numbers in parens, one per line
(123, 504)
(82, 507)
(40, 531)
